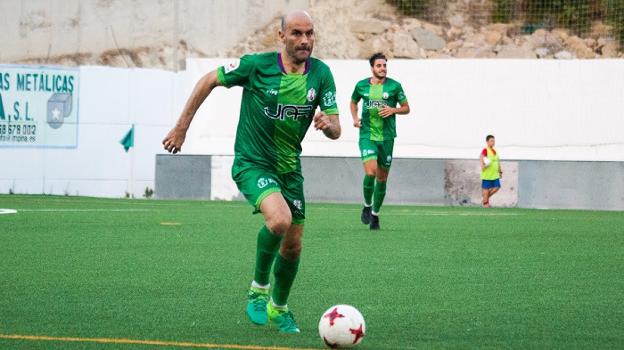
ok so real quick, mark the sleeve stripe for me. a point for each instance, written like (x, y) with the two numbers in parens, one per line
(221, 77)
(330, 111)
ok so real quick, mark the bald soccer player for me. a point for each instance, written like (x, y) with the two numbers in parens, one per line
(281, 92)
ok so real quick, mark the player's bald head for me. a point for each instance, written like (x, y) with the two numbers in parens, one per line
(298, 16)
(297, 35)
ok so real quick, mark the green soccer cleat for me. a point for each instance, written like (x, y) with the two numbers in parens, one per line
(257, 300)
(284, 320)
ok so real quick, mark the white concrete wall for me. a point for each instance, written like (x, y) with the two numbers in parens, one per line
(110, 101)
(568, 110)
(549, 110)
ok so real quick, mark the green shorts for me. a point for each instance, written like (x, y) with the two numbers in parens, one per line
(380, 150)
(256, 184)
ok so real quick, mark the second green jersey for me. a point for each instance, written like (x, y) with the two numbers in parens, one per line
(277, 108)
(374, 97)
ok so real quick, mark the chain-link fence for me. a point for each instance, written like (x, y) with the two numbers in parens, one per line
(577, 16)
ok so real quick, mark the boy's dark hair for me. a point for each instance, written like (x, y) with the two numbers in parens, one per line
(487, 138)
(375, 57)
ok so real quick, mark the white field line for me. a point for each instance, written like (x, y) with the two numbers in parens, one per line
(407, 212)
(87, 210)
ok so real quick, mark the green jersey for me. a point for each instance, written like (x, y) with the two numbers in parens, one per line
(374, 97)
(277, 108)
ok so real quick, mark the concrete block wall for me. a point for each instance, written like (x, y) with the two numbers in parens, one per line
(526, 184)
(572, 185)
(182, 176)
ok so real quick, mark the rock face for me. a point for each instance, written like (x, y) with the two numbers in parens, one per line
(344, 29)
(492, 38)
(374, 45)
(404, 46)
(428, 40)
(456, 21)
(464, 38)
(610, 49)
(370, 26)
(579, 47)
(138, 33)
(524, 51)
(564, 55)
(459, 37)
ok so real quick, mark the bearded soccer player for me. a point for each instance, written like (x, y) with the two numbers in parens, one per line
(380, 96)
(281, 91)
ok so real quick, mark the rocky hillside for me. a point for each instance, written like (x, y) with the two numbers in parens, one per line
(345, 29)
(356, 29)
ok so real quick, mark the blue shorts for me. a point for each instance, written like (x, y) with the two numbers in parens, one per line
(487, 184)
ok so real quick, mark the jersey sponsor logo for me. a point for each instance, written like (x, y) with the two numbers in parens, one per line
(329, 99)
(231, 66)
(385, 95)
(289, 111)
(375, 104)
(311, 95)
(265, 181)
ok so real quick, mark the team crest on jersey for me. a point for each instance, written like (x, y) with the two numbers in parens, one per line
(231, 66)
(366, 152)
(329, 99)
(311, 94)
(385, 95)
(263, 182)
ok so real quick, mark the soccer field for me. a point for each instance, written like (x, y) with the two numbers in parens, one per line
(147, 274)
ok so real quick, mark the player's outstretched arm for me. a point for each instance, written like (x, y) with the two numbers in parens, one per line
(329, 124)
(354, 114)
(175, 138)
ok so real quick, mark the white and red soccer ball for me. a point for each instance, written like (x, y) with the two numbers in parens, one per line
(342, 326)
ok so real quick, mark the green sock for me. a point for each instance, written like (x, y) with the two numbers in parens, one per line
(268, 244)
(285, 272)
(369, 185)
(380, 193)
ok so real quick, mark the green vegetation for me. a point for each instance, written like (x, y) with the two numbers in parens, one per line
(575, 15)
(414, 8)
(615, 17)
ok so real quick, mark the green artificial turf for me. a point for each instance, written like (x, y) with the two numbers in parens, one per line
(433, 277)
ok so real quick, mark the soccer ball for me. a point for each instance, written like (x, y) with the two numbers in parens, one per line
(342, 326)
(486, 161)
